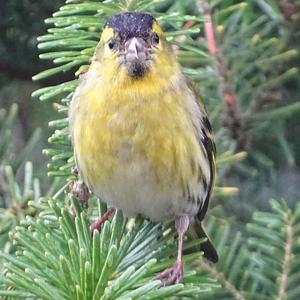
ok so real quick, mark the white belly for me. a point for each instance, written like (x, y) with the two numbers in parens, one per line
(134, 190)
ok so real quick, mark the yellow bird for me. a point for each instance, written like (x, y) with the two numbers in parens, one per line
(141, 136)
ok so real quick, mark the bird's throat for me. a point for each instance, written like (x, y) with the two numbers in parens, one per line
(137, 69)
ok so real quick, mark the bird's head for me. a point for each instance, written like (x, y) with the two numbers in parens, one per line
(132, 46)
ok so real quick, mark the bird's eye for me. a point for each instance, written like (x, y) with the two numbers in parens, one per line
(154, 39)
(111, 44)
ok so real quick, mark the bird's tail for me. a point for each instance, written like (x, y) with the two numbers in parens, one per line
(207, 247)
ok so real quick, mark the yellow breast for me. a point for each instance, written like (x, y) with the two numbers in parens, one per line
(141, 122)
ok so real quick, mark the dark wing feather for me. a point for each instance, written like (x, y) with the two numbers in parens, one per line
(206, 142)
(210, 149)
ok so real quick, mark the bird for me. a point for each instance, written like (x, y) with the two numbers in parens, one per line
(141, 135)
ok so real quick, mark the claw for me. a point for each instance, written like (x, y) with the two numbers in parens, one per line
(171, 275)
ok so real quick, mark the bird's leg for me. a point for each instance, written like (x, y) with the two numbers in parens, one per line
(98, 224)
(175, 273)
(81, 192)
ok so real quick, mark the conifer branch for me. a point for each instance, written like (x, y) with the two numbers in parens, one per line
(283, 279)
(117, 263)
(214, 273)
(274, 244)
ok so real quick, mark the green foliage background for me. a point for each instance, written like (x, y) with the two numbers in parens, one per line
(46, 250)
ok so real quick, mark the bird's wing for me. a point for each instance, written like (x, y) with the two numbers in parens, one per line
(206, 142)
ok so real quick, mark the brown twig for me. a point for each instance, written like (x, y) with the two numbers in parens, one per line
(232, 120)
(208, 27)
(226, 90)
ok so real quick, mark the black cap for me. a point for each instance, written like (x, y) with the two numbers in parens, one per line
(131, 24)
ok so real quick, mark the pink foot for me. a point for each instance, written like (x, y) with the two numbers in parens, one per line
(171, 275)
(98, 224)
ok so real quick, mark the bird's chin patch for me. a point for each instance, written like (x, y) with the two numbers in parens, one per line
(137, 69)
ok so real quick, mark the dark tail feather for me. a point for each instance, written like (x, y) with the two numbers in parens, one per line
(207, 247)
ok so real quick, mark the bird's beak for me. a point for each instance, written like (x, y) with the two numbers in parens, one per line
(135, 50)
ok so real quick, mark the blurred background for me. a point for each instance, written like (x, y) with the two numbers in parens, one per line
(244, 57)
(251, 89)
(21, 23)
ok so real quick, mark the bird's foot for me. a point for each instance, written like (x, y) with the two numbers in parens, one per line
(98, 224)
(171, 275)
